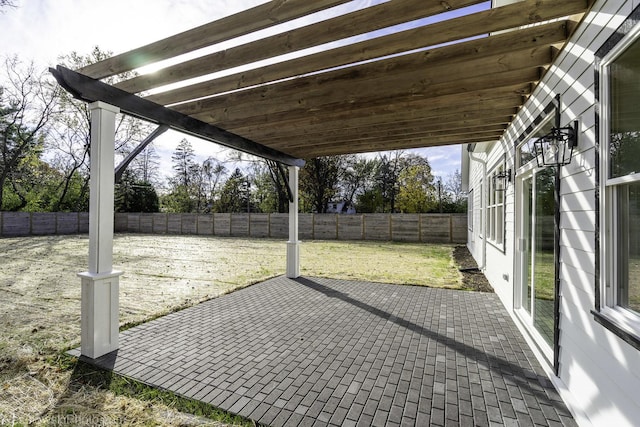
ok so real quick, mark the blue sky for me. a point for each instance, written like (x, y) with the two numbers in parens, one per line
(42, 30)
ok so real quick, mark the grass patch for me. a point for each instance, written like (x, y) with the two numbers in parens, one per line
(86, 376)
(388, 262)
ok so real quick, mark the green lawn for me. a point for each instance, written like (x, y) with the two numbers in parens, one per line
(40, 307)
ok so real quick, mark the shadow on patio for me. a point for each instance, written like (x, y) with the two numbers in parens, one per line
(332, 352)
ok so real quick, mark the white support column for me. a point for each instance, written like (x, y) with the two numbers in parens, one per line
(100, 285)
(293, 245)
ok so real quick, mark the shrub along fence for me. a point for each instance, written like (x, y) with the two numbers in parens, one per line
(428, 228)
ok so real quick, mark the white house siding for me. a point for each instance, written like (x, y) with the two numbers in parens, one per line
(599, 373)
(498, 266)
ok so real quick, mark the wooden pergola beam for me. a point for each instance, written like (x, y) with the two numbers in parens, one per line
(504, 104)
(349, 99)
(311, 152)
(336, 133)
(518, 40)
(90, 90)
(397, 134)
(373, 94)
(245, 22)
(477, 24)
(371, 81)
(415, 106)
(355, 23)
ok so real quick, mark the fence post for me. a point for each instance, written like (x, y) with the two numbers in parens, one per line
(363, 233)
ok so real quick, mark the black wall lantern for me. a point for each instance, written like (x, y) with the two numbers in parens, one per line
(556, 147)
(501, 179)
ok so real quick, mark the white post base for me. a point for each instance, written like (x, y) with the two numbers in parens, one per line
(99, 310)
(293, 259)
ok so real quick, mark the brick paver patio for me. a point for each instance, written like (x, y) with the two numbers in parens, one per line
(320, 352)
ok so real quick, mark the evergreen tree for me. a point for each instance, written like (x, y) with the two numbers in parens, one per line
(181, 197)
(132, 195)
(235, 195)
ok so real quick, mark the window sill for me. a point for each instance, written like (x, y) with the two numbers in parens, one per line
(498, 246)
(622, 331)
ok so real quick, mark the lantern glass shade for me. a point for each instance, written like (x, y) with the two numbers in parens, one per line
(556, 147)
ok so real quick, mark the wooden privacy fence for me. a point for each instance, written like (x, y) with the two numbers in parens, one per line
(436, 228)
(43, 223)
(428, 228)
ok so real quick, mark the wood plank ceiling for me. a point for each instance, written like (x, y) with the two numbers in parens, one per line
(388, 90)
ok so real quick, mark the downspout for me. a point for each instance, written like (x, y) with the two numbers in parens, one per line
(473, 157)
(556, 250)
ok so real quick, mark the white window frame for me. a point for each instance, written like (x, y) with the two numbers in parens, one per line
(496, 207)
(481, 221)
(623, 317)
(470, 213)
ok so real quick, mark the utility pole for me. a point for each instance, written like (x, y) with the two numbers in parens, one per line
(248, 196)
(440, 193)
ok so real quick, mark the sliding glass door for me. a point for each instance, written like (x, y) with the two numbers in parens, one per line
(536, 252)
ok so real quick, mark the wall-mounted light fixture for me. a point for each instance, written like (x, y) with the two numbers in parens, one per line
(501, 180)
(556, 147)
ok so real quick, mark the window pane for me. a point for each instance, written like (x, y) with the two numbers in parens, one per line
(526, 151)
(544, 269)
(628, 246)
(624, 144)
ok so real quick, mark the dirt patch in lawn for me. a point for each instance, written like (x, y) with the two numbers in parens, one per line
(472, 277)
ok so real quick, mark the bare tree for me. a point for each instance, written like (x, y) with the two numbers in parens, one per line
(27, 106)
(7, 4)
(319, 179)
(453, 185)
(70, 140)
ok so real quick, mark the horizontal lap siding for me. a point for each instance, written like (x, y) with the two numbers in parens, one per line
(595, 365)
